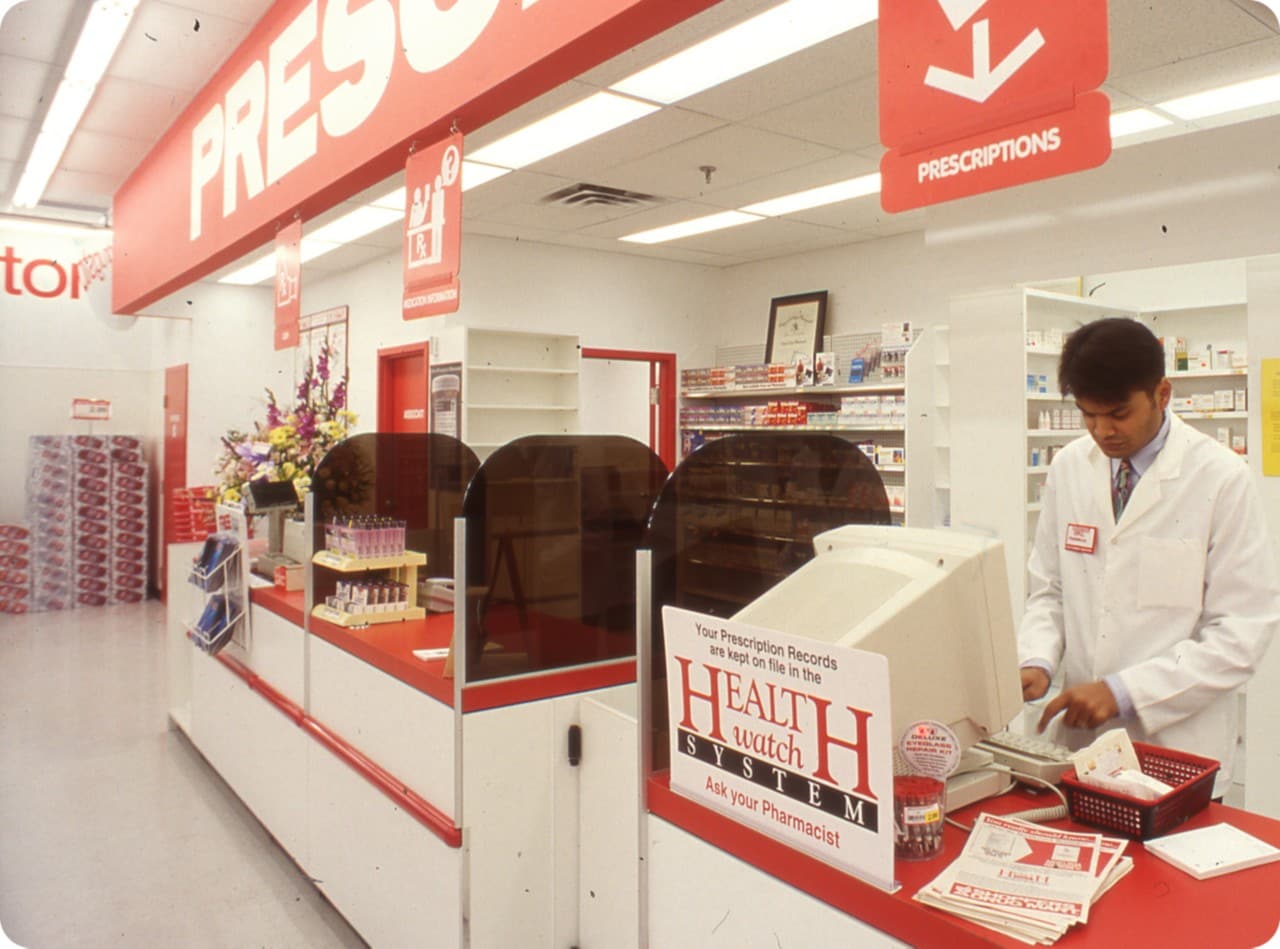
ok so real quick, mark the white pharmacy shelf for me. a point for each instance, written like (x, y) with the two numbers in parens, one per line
(869, 388)
(1203, 416)
(794, 428)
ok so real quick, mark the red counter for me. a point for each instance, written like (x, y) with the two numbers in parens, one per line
(1154, 905)
(389, 647)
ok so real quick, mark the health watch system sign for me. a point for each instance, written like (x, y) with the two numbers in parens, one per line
(327, 97)
(788, 735)
(979, 95)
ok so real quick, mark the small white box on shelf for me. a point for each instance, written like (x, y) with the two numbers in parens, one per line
(1224, 400)
(1182, 404)
(1202, 402)
(1035, 339)
(1241, 401)
(1238, 444)
(1053, 339)
(1224, 437)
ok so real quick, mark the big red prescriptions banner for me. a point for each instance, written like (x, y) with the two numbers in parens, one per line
(978, 95)
(433, 229)
(288, 285)
(326, 97)
(791, 736)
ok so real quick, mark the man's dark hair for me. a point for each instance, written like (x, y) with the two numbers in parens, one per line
(1107, 360)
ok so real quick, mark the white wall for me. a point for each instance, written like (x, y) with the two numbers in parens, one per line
(609, 300)
(1262, 778)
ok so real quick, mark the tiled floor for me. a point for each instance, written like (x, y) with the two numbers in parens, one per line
(113, 830)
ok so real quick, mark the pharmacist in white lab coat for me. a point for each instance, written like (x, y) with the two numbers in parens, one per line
(1153, 585)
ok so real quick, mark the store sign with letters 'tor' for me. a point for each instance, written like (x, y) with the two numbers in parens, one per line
(433, 229)
(788, 735)
(326, 97)
(978, 95)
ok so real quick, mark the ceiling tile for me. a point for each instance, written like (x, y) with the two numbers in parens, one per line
(827, 171)
(142, 110)
(1145, 34)
(647, 220)
(519, 187)
(846, 117)
(163, 46)
(23, 85)
(247, 12)
(558, 217)
(635, 140)
(108, 155)
(41, 30)
(13, 137)
(1261, 58)
(80, 188)
(577, 239)
(558, 98)
(738, 154)
(862, 214)
(838, 60)
(709, 22)
(8, 176)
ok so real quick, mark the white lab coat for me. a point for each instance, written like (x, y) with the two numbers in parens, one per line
(1180, 598)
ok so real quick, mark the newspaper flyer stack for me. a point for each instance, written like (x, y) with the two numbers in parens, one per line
(1025, 880)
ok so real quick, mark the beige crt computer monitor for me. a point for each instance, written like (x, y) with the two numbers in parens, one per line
(935, 602)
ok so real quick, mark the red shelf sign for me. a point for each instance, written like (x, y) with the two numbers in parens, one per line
(978, 95)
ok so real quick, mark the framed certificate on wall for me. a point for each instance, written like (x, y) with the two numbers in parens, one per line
(795, 327)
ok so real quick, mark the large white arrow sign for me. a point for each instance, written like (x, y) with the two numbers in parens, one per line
(959, 11)
(984, 80)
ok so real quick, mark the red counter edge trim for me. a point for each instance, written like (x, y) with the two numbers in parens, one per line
(415, 806)
(894, 915)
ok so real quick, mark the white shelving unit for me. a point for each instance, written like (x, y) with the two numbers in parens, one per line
(912, 481)
(1208, 330)
(513, 383)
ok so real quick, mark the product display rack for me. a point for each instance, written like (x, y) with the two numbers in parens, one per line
(403, 568)
(229, 579)
(907, 470)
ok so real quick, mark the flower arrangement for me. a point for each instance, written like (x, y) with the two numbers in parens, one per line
(292, 441)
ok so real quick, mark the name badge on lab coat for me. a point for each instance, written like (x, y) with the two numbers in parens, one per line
(1081, 538)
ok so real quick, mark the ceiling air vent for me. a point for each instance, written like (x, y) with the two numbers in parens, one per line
(585, 196)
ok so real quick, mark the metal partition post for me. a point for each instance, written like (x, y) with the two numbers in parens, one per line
(644, 727)
(460, 606)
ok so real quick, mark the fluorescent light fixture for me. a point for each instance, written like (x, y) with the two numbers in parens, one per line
(699, 225)
(310, 249)
(52, 227)
(100, 37)
(1232, 98)
(584, 120)
(104, 28)
(356, 224)
(264, 268)
(392, 201)
(816, 197)
(1135, 121)
(759, 41)
(475, 174)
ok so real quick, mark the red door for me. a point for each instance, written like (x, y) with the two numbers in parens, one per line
(402, 388)
(173, 471)
(659, 397)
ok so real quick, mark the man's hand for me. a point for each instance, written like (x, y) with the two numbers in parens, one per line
(1035, 683)
(1086, 706)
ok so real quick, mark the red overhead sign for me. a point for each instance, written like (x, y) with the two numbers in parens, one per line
(433, 229)
(288, 285)
(978, 95)
(325, 98)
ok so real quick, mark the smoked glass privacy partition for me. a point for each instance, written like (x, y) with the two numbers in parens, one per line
(552, 526)
(416, 478)
(740, 514)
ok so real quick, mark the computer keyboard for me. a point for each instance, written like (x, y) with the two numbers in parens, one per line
(1038, 757)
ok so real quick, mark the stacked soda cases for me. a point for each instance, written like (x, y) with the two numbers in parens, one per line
(51, 517)
(15, 568)
(128, 520)
(86, 503)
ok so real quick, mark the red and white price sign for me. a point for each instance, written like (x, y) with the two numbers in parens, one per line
(433, 229)
(288, 285)
(91, 410)
(978, 95)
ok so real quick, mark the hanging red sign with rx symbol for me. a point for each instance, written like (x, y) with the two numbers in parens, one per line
(288, 285)
(433, 229)
(978, 95)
